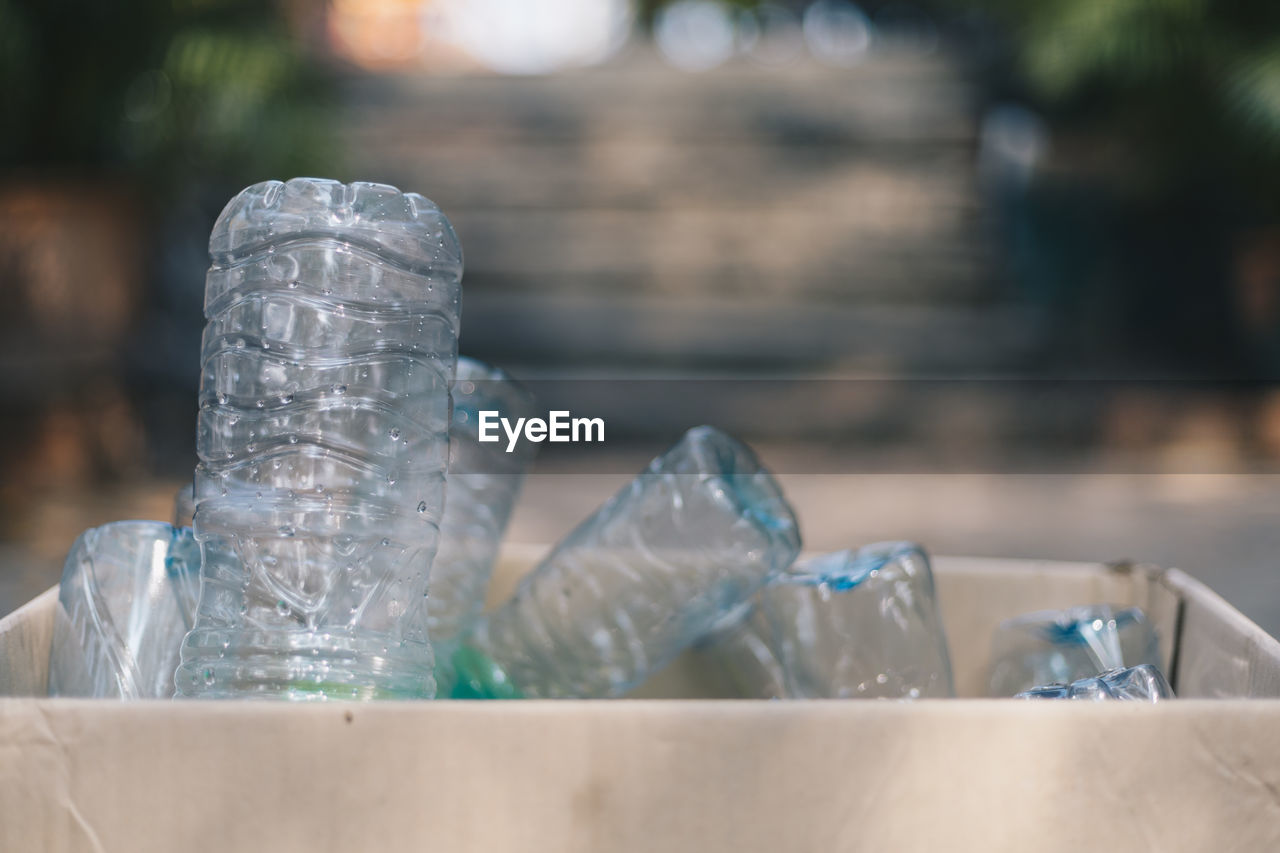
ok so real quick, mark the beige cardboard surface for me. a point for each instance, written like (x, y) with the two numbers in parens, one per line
(707, 776)
(639, 776)
(1221, 653)
(24, 647)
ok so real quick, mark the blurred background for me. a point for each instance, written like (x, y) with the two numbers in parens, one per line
(1025, 257)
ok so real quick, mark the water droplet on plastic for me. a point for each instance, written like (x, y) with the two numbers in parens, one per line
(422, 506)
(282, 607)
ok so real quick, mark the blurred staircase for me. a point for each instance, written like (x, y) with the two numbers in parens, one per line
(635, 218)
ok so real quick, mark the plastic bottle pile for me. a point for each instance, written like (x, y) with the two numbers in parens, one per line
(347, 521)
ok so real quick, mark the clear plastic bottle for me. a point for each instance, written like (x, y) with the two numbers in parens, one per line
(127, 597)
(1064, 646)
(333, 316)
(852, 624)
(860, 624)
(483, 483)
(687, 542)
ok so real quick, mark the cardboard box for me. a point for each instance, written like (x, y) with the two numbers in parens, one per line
(694, 775)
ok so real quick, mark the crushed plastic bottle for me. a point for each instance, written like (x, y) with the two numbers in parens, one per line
(333, 315)
(1062, 646)
(483, 483)
(851, 624)
(689, 540)
(1142, 683)
(127, 597)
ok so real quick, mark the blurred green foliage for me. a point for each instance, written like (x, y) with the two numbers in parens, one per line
(1189, 84)
(160, 91)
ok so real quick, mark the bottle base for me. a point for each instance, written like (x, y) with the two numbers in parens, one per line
(327, 668)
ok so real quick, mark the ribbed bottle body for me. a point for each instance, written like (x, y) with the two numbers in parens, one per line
(323, 441)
